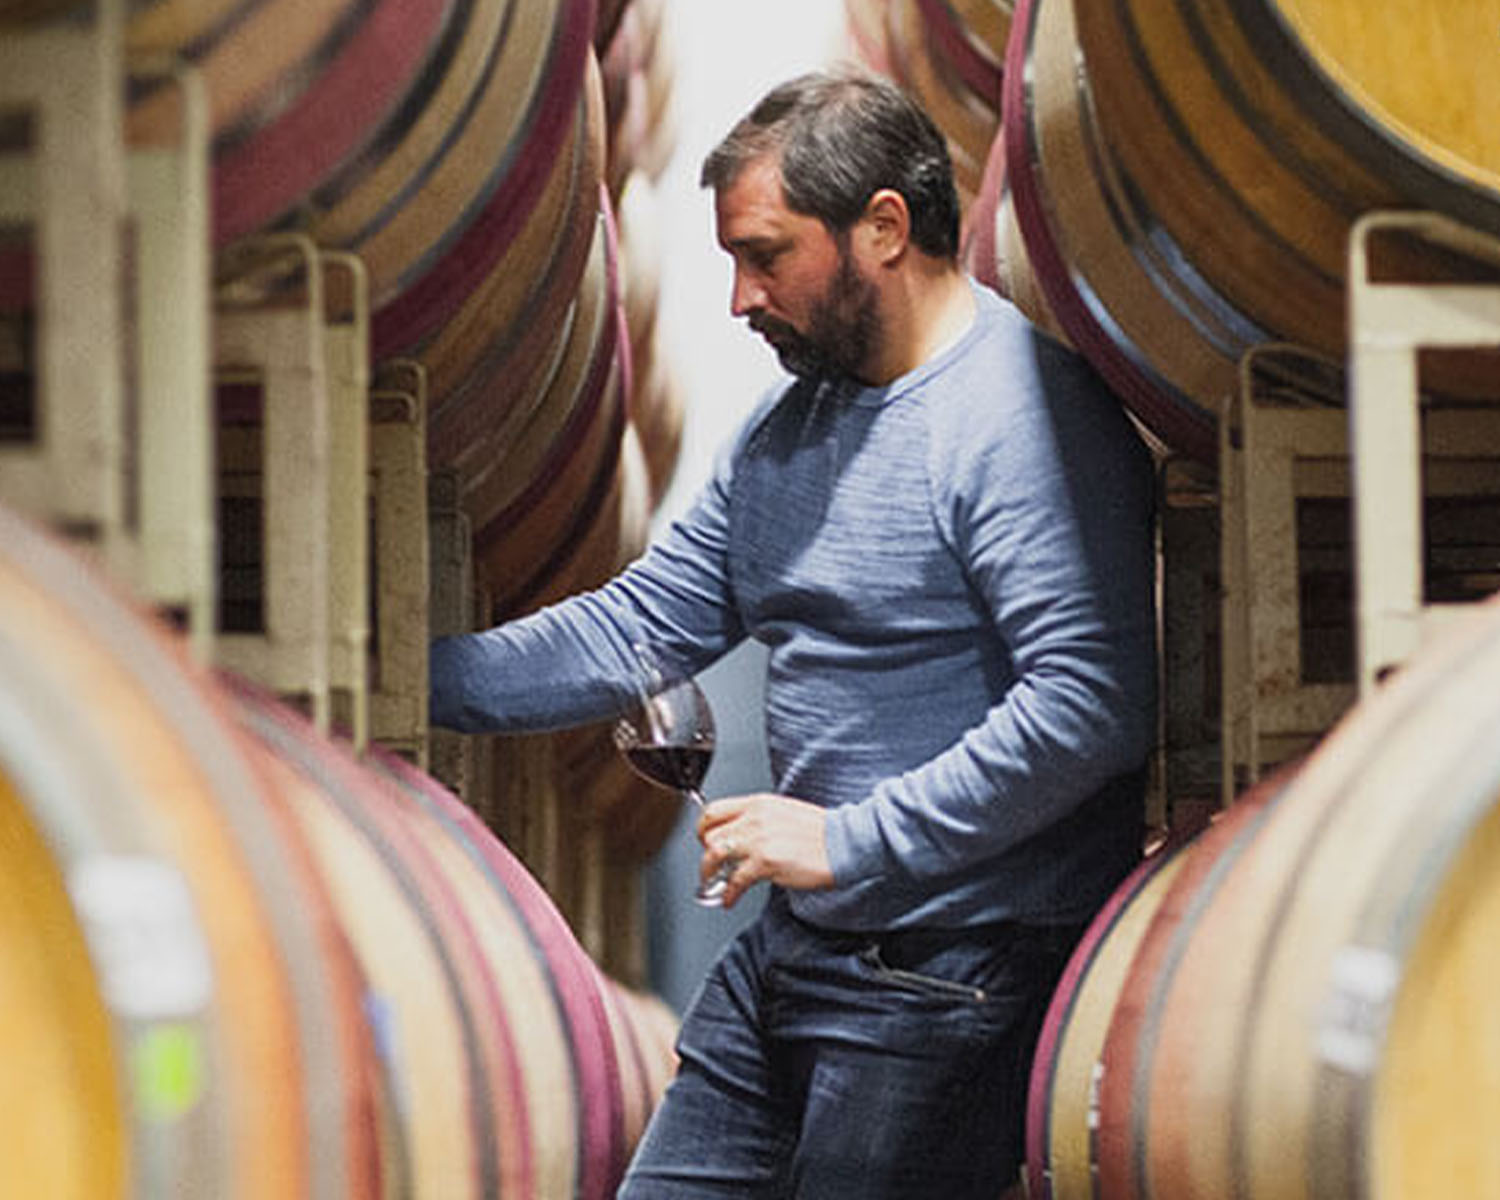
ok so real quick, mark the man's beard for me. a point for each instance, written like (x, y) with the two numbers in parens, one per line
(843, 332)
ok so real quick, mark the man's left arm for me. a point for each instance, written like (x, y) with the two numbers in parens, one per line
(1054, 520)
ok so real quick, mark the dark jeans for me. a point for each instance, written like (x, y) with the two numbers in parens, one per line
(820, 1065)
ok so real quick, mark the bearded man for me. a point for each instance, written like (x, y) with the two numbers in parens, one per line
(940, 525)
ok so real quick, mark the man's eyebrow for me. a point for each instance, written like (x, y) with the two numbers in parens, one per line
(760, 242)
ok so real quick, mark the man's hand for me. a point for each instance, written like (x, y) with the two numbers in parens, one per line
(770, 837)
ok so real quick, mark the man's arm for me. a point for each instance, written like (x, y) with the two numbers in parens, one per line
(571, 662)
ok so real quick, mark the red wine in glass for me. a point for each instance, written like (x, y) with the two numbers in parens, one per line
(673, 766)
(668, 738)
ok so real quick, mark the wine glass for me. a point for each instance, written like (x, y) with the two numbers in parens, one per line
(668, 739)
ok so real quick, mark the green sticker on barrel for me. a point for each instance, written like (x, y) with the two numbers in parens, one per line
(168, 1063)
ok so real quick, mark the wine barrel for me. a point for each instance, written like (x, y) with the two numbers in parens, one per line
(429, 989)
(178, 981)
(986, 23)
(658, 416)
(627, 66)
(646, 1030)
(601, 526)
(1169, 357)
(638, 217)
(514, 1081)
(655, 404)
(970, 38)
(245, 51)
(428, 241)
(496, 475)
(601, 1065)
(240, 962)
(453, 113)
(65, 1118)
(1132, 1028)
(533, 506)
(607, 23)
(643, 124)
(992, 249)
(1323, 1022)
(1257, 132)
(298, 93)
(864, 25)
(489, 365)
(608, 540)
(1195, 182)
(1061, 1099)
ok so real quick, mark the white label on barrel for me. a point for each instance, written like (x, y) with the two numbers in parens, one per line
(138, 917)
(1355, 1012)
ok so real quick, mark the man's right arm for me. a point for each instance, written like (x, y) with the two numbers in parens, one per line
(571, 663)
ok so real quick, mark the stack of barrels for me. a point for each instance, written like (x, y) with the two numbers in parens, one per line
(1168, 187)
(237, 960)
(1294, 1000)
(461, 151)
(472, 155)
(1184, 180)
(490, 163)
(1299, 1000)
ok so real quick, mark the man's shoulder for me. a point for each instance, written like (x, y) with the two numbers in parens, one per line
(1015, 363)
(1013, 396)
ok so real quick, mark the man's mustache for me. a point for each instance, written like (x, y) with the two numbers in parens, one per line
(771, 327)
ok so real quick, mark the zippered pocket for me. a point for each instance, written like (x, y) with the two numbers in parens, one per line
(915, 981)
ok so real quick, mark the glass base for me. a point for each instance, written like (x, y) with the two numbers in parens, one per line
(710, 893)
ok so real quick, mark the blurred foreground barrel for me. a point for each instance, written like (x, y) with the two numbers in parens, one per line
(173, 975)
(1186, 175)
(239, 961)
(1310, 1011)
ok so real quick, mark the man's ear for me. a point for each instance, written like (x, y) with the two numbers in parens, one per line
(886, 225)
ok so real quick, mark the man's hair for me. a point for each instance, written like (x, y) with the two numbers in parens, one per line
(841, 136)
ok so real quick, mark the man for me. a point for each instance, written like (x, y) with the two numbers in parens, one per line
(941, 528)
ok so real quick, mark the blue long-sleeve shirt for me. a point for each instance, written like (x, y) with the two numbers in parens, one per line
(953, 574)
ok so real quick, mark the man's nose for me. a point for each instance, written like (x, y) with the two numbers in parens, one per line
(747, 296)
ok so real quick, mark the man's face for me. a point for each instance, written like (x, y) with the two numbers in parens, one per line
(796, 284)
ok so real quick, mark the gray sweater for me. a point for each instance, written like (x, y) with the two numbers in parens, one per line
(953, 574)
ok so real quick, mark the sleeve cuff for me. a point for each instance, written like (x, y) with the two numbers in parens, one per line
(856, 849)
(445, 698)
